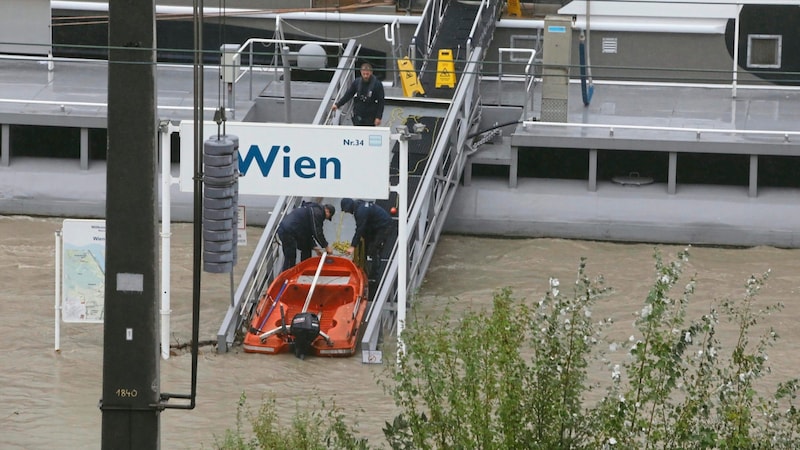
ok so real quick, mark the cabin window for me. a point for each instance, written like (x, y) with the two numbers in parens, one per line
(609, 45)
(764, 51)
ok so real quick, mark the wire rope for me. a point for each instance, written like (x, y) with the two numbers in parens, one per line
(318, 37)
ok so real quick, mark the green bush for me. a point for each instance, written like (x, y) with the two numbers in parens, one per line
(321, 429)
(509, 379)
(515, 377)
(679, 387)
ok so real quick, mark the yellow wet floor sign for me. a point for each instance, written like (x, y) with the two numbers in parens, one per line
(445, 69)
(514, 8)
(408, 78)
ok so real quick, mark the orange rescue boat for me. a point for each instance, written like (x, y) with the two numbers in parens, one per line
(316, 307)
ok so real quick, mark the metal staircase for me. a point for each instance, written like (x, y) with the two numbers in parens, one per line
(444, 24)
(436, 162)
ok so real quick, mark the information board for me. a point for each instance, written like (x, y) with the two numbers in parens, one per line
(83, 271)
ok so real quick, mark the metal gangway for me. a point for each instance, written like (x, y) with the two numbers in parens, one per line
(432, 185)
(264, 264)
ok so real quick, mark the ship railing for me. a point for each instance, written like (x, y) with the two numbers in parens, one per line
(699, 133)
(392, 35)
(528, 77)
(276, 57)
(763, 142)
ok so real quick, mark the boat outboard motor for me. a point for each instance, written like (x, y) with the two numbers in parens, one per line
(305, 329)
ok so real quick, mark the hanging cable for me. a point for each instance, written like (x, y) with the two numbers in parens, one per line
(222, 87)
(587, 87)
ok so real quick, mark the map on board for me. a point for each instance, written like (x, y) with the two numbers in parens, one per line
(83, 274)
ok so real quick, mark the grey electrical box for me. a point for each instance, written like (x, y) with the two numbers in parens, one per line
(230, 62)
(25, 27)
(556, 62)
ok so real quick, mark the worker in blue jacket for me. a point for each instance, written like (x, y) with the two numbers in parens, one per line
(300, 228)
(373, 224)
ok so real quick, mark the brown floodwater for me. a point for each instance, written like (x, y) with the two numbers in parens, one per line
(49, 399)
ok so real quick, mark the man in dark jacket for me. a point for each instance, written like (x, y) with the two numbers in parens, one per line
(373, 224)
(300, 228)
(368, 97)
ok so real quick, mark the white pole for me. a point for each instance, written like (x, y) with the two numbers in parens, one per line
(58, 292)
(736, 51)
(314, 282)
(402, 244)
(166, 182)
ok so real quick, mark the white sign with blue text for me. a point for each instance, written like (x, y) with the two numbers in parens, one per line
(301, 160)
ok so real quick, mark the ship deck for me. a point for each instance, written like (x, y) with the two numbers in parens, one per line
(669, 119)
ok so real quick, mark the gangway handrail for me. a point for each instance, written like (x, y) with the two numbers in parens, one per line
(252, 284)
(484, 14)
(339, 83)
(433, 197)
(432, 200)
(426, 30)
(456, 120)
